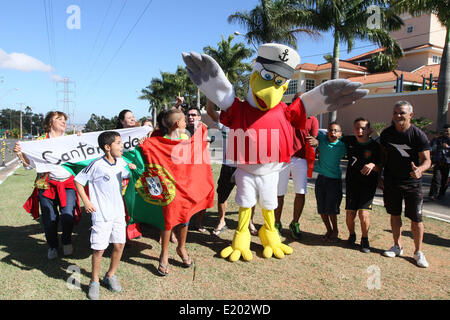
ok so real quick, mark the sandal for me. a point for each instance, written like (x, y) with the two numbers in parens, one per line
(186, 263)
(201, 229)
(253, 231)
(162, 269)
(216, 231)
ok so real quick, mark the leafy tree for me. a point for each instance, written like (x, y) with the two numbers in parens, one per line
(381, 62)
(162, 92)
(266, 23)
(231, 59)
(100, 123)
(441, 9)
(423, 123)
(347, 20)
(378, 127)
(10, 119)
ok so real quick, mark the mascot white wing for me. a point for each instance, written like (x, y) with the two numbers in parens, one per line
(332, 95)
(209, 77)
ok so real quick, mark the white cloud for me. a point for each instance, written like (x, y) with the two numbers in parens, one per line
(56, 78)
(22, 62)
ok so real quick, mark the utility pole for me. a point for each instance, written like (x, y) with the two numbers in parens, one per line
(67, 99)
(21, 106)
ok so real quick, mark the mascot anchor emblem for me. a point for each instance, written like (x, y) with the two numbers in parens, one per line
(283, 58)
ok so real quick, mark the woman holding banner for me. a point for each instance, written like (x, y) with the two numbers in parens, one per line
(53, 189)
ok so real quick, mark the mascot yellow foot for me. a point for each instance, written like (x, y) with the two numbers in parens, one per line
(241, 242)
(270, 238)
(268, 234)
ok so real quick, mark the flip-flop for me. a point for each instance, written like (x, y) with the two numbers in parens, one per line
(185, 261)
(216, 232)
(201, 229)
(253, 232)
(162, 269)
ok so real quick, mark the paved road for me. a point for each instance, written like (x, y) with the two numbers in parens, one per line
(9, 155)
(436, 209)
(11, 162)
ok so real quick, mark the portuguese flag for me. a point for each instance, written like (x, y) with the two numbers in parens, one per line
(172, 182)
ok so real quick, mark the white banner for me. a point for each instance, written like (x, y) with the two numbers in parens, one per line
(56, 151)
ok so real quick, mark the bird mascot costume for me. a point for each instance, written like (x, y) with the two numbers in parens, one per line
(263, 127)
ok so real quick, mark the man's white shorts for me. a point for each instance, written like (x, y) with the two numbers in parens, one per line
(105, 232)
(299, 170)
(250, 188)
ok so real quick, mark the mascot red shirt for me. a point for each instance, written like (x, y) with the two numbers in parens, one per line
(272, 131)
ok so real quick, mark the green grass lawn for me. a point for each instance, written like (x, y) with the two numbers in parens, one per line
(316, 270)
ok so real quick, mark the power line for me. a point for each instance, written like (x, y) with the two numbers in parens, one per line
(50, 39)
(104, 44)
(122, 44)
(100, 30)
(48, 33)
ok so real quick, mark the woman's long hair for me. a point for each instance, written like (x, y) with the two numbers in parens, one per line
(122, 114)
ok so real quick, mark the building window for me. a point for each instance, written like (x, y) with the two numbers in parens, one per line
(292, 88)
(310, 84)
(437, 59)
(324, 80)
(409, 29)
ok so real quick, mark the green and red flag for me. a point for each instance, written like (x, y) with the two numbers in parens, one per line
(172, 182)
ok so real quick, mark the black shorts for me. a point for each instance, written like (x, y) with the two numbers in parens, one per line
(224, 184)
(328, 195)
(359, 196)
(395, 193)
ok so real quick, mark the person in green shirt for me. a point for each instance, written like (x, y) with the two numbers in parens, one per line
(328, 187)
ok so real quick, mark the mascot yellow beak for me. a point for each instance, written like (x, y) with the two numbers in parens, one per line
(266, 93)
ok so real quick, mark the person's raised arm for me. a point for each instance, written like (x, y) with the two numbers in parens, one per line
(211, 111)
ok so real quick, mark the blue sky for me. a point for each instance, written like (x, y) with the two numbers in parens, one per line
(107, 77)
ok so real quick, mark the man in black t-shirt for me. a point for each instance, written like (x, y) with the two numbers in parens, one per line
(406, 155)
(361, 179)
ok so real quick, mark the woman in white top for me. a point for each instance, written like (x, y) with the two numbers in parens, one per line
(54, 191)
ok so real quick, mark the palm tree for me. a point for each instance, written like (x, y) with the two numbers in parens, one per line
(162, 92)
(264, 23)
(348, 21)
(441, 9)
(231, 58)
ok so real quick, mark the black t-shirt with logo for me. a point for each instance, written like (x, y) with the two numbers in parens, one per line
(360, 154)
(402, 148)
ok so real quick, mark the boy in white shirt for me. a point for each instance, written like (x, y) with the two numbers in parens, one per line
(106, 206)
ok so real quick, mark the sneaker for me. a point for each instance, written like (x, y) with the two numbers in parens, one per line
(94, 290)
(420, 259)
(394, 251)
(365, 247)
(279, 227)
(67, 249)
(52, 253)
(351, 239)
(112, 283)
(295, 230)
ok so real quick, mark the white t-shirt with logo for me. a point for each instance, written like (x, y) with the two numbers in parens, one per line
(105, 187)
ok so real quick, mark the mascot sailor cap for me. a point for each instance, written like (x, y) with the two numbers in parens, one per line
(278, 58)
